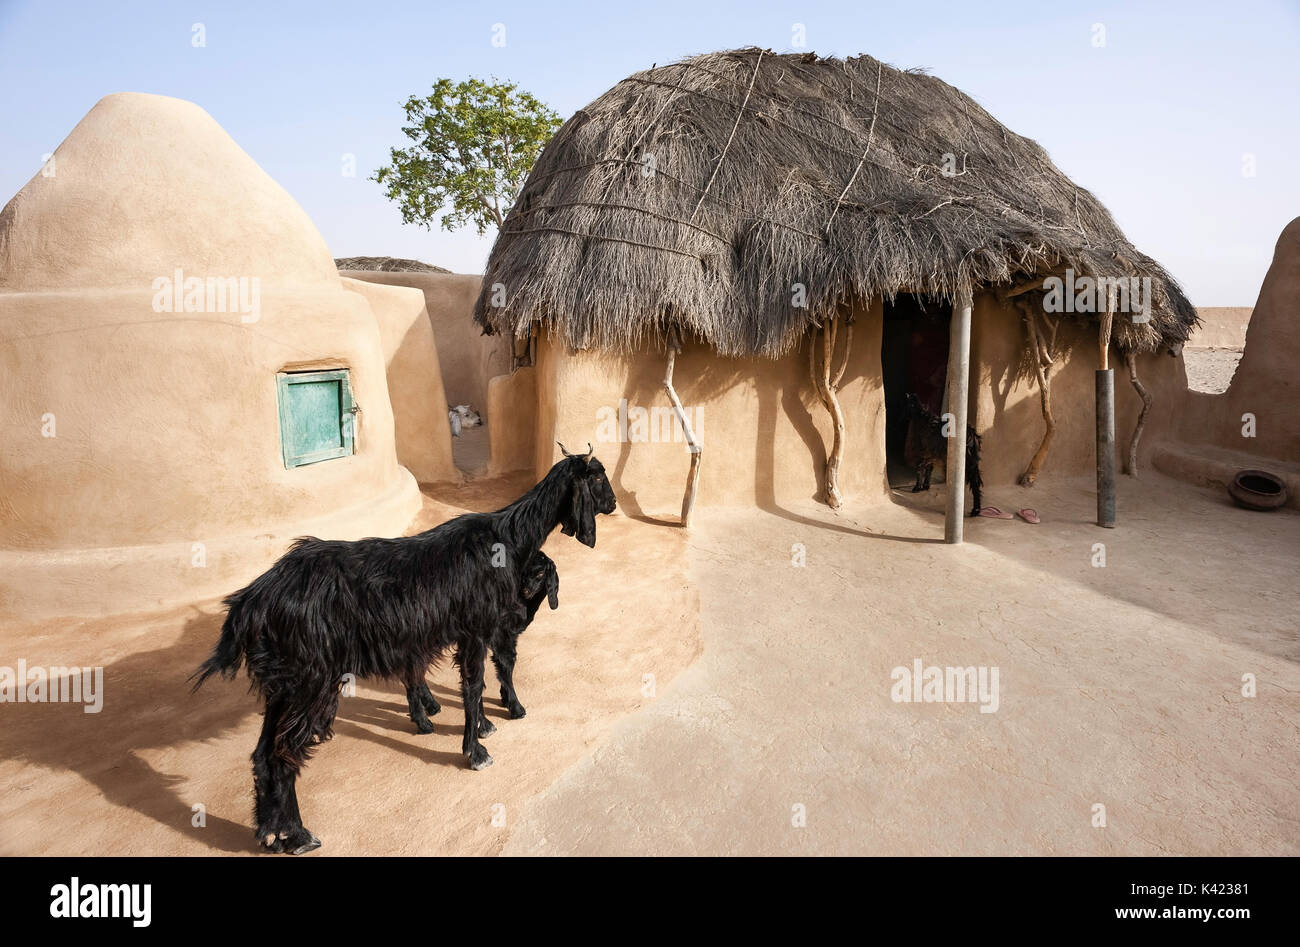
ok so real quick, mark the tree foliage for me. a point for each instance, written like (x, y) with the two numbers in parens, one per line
(472, 145)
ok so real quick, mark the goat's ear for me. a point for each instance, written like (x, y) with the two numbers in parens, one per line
(553, 589)
(581, 521)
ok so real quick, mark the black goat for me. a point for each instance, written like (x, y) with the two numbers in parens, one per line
(386, 608)
(540, 582)
(927, 446)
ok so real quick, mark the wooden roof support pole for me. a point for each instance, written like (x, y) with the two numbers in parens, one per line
(1038, 351)
(1131, 358)
(1105, 426)
(834, 499)
(693, 477)
(958, 392)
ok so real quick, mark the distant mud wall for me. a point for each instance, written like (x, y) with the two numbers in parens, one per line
(469, 359)
(421, 428)
(1265, 384)
(1221, 328)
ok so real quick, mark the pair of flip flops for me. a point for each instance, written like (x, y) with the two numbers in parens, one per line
(1028, 515)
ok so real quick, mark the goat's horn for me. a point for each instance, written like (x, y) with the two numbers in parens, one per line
(590, 450)
(564, 450)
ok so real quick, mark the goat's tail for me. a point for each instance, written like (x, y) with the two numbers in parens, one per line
(236, 635)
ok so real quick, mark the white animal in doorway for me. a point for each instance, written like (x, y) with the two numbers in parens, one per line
(463, 416)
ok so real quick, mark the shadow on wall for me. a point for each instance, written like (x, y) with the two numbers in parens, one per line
(774, 403)
(1006, 404)
(764, 431)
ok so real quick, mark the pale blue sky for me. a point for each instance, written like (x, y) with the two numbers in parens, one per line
(1156, 122)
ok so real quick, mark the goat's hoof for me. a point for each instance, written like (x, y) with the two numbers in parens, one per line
(487, 728)
(294, 841)
(423, 726)
(300, 842)
(479, 759)
(516, 711)
(918, 489)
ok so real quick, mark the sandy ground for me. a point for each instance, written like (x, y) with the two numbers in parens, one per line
(1118, 686)
(125, 780)
(471, 452)
(1210, 370)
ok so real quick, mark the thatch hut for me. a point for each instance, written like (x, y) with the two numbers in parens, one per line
(742, 206)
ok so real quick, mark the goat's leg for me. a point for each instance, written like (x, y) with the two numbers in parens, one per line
(431, 705)
(976, 485)
(470, 657)
(415, 707)
(503, 659)
(929, 471)
(485, 726)
(418, 700)
(973, 470)
(266, 782)
(920, 476)
(275, 772)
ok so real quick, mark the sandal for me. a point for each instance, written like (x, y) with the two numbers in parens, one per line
(994, 513)
(1030, 516)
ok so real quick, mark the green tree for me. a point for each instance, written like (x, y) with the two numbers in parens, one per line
(473, 144)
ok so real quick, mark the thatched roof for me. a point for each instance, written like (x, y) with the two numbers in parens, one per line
(386, 264)
(698, 193)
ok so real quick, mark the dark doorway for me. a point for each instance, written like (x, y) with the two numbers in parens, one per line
(913, 358)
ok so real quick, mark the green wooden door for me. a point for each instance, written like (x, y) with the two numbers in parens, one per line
(316, 416)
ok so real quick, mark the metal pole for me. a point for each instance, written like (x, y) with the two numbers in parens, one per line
(1106, 448)
(958, 384)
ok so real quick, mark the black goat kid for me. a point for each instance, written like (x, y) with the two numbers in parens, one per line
(540, 582)
(927, 446)
(386, 608)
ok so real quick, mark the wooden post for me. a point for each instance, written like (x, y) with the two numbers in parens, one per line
(958, 385)
(1105, 428)
(1040, 352)
(693, 477)
(1141, 389)
(834, 499)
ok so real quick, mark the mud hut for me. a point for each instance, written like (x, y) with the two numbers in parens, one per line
(774, 224)
(187, 383)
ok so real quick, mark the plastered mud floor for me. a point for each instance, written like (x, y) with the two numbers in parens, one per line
(703, 693)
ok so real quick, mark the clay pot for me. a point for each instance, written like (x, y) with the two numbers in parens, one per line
(1257, 490)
